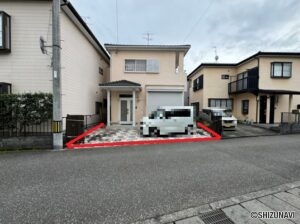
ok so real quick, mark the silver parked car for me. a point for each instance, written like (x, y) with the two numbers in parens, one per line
(228, 120)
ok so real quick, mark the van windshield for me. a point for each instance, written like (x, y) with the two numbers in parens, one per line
(156, 114)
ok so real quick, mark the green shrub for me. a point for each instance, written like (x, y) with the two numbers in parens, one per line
(25, 109)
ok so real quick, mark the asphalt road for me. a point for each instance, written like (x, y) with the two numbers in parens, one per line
(122, 185)
(243, 130)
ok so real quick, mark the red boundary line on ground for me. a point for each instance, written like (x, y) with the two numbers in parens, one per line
(72, 145)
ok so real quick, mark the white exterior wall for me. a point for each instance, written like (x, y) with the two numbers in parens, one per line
(80, 63)
(26, 67)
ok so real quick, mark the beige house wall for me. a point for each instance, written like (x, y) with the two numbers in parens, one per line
(165, 78)
(213, 85)
(80, 71)
(25, 66)
(237, 107)
(266, 82)
(247, 65)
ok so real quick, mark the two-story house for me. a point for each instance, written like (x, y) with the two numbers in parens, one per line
(143, 77)
(84, 62)
(256, 89)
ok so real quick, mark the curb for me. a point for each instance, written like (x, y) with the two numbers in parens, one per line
(190, 212)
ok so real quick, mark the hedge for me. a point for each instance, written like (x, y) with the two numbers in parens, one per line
(25, 109)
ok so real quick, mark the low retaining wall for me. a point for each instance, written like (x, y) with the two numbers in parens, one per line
(30, 142)
(287, 128)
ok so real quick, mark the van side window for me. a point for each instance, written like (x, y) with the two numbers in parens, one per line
(178, 113)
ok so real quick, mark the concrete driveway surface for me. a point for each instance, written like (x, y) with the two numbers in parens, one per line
(124, 185)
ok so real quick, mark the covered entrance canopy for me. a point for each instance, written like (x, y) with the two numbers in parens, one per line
(127, 103)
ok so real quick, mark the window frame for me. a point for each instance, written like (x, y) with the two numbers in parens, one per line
(151, 66)
(282, 69)
(245, 107)
(198, 83)
(5, 32)
(220, 99)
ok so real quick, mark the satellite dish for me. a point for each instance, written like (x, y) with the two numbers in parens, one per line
(42, 45)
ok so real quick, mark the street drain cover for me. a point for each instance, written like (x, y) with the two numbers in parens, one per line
(215, 217)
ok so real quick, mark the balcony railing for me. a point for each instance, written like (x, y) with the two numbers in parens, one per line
(248, 84)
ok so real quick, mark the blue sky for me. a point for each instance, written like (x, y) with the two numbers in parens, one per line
(237, 28)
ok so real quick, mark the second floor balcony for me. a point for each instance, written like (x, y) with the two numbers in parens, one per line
(245, 84)
(248, 84)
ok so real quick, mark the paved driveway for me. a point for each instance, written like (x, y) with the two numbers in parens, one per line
(243, 130)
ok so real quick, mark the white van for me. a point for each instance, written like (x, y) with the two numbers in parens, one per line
(228, 120)
(168, 120)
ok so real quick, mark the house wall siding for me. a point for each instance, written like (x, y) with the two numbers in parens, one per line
(80, 63)
(26, 67)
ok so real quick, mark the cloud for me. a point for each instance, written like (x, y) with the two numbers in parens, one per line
(238, 28)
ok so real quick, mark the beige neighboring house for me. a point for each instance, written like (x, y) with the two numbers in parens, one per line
(143, 77)
(257, 89)
(84, 62)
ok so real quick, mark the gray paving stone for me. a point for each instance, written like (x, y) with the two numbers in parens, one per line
(289, 198)
(258, 194)
(295, 191)
(279, 205)
(255, 206)
(240, 215)
(184, 214)
(294, 184)
(192, 220)
(222, 204)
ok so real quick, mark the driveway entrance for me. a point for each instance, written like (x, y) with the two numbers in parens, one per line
(244, 130)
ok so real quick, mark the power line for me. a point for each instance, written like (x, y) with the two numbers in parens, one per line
(198, 21)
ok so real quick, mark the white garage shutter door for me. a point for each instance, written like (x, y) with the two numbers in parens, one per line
(156, 99)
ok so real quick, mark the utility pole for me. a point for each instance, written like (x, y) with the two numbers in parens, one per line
(57, 112)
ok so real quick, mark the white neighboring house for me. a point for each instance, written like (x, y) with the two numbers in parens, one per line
(24, 68)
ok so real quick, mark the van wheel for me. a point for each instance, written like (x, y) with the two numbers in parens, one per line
(157, 133)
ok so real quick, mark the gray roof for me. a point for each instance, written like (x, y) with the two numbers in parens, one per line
(127, 47)
(120, 83)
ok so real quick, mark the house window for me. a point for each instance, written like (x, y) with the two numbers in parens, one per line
(138, 65)
(245, 106)
(198, 83)
(223, 103)
(4, 32)
(224, 76)
(100, 71)
(281, 69)
(5, 88)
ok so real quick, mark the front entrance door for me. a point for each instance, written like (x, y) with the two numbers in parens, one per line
(263, 109)
(126, 111)
(272, 109)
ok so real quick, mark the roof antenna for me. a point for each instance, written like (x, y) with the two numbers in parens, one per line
(147, 36)
(216, 55)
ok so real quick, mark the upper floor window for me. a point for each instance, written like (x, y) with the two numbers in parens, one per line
(4, 32)
(140, 65)
(281, 69)
(198, 83)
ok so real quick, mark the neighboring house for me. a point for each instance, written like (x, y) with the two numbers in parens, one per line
(84, 62)
(257, 89)
(143, 77)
